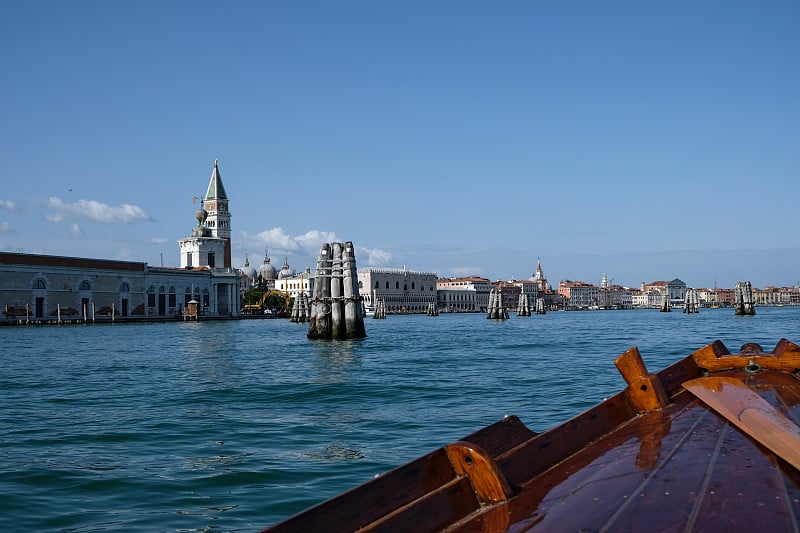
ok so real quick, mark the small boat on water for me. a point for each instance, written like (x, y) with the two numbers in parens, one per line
(710, 443)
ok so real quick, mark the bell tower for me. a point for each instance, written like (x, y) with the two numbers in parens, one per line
(218, 220)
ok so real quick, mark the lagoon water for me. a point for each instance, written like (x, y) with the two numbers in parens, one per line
(233, 426)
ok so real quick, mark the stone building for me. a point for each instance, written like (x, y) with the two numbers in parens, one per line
(48, 288)
(402, 290)
(463, 295)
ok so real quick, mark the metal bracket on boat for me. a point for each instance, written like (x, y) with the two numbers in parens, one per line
(645, 390)
(752, 367)
(487, 480)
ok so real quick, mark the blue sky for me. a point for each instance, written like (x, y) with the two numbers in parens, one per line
(647, 140)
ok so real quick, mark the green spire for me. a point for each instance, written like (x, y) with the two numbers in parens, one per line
(215, 188)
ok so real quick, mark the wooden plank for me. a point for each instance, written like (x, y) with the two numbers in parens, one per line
(443, 507)
(367, 503)
(543, 451)
(501, 436)
(734, 400)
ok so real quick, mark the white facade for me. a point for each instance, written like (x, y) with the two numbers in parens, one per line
(294, 285)
(467, 294)
(402, 290)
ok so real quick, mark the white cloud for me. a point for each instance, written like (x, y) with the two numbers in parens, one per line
(312, 240)
(5, 227)
(279, 241)
(96, 211)
(8, 204)
(376, 257)
(159, 240)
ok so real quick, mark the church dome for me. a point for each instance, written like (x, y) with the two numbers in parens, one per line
(286, 270)
(247, 271)
(266, 271)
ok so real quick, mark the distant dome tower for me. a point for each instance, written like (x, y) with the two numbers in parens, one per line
(286, 270)
(218, 220)
(247, 273)
(267, 272)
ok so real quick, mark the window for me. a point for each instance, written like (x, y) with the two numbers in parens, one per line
(387, 284)
(211, 259)
(84, 286)
(125, 287)
(39, 284)
(151, 296)
(205, 298)
(188, 259)
(377, 285)
(412, 285)
(396, 284)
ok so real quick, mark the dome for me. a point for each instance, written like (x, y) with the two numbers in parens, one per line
(266, 271)
(247, 271)
(286, 270)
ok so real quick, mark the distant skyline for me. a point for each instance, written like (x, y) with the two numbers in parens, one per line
(647, 141)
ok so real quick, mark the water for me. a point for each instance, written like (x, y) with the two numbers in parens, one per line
(232, 426)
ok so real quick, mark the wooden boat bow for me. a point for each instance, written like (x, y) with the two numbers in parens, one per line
(651, 457)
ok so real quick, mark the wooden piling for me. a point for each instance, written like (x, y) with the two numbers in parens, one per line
(337, 294)
(353, 305)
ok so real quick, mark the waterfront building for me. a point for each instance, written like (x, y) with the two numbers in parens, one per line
(468, 294)
(528, 288)
(772, 296)
(49, 288)
(707, 297)
(296, 284)
(579, 295)
(401, 289)
(675, 289)
(649, 299)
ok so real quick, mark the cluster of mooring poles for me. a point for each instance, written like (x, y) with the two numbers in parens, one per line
(691, 304)
(380, 309)
(666, 305)
(523, 308)
(496, 310)
(301, 309)
(540, 307)
(432, 309)
(743, 299)
(337, 311)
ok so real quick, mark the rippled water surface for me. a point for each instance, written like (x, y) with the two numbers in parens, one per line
(232, 426)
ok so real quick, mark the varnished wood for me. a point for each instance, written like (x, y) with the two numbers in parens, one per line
(644, 389)
(501, 436)
(784, 358)
(745, 409)
(488, 482)
(666, 463)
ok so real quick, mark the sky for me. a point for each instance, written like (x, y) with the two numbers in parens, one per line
(643, 140)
